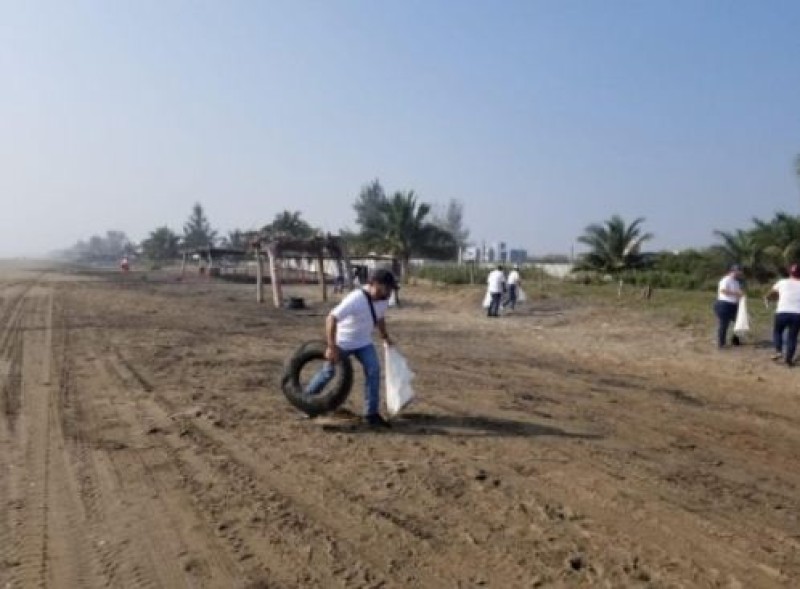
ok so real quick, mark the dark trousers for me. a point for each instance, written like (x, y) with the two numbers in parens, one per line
(726, 314)
(511, 301)
(494, 305)
(784, 321)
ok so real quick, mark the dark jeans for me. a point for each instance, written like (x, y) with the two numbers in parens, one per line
(368, 356)
(494, 306)
(726, 314)
(511, 301)
(784, 321)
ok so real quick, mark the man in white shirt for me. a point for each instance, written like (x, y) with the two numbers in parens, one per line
(348, 330)
(726, 306)
(513, 282)
(787, 314)
(496, 282)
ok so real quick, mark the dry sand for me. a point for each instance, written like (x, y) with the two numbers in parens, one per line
(144, 442)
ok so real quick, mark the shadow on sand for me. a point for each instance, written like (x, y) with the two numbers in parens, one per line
(456, 425)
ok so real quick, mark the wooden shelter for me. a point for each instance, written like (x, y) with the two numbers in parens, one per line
(319, 248)
(208, 254)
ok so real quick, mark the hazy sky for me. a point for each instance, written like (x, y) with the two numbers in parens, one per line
(540, 116)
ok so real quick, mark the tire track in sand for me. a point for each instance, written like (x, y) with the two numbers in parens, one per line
(149, 535)
(262, 528)
(44, 523)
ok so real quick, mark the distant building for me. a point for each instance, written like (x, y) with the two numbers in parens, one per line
(487, 253)
(518, 256)
(494, 253)
(500, 252)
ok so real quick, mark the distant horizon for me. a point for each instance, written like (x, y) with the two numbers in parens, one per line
(575, 248)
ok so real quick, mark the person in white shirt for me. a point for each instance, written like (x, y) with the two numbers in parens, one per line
(496, 282)
(787, 315)
(513, 282)
(348, 330)
(726, 306)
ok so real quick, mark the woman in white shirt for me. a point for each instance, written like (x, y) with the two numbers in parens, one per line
(726, 306)
(512, 281)
(787, 315)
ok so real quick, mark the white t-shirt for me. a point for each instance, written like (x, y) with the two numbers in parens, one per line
(354, 323)
(788, 295)
(513, 278)
(728, 283)
(495, 281)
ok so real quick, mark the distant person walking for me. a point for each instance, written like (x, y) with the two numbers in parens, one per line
(513, 282)
(787, 315)
(729, 292)
(496, 282)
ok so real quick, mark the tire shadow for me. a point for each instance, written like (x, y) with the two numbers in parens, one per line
(431, 424)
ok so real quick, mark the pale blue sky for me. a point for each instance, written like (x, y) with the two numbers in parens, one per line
(541, 117)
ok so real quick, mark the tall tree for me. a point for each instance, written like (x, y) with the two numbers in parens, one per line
(161, 244)
(289, 224)
(110, 247)
(779, 239)
(743, 248)
(797, 167)
(401, 228)
(453, 221)
(370, 204)
(236, 239)
(614, 246)
(197, 231)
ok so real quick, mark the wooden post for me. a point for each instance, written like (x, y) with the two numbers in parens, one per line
(259, 277)
(277, 296)
(183, 265)
(321, 265)
(348, 269)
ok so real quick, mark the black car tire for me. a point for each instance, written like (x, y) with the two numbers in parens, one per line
(329, 399)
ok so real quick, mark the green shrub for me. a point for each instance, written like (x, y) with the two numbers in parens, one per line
(451, 274)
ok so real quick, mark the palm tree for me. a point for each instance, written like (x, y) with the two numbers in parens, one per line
(402, 229)
(779, 239)
(613, 246)
(743, 248)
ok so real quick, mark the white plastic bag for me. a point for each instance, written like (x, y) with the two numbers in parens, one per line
(742, 324)
(398, 381)
(487, 300)
(521, 296)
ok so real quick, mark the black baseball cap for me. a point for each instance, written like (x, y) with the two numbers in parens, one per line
(384, 277)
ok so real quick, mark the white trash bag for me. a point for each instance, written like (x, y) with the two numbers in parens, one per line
(742, 324)
(487, 300)
(398, 381)
(521, 296)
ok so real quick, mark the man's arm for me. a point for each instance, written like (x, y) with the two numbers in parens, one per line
(381, 325)
(332, 352)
